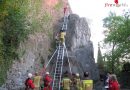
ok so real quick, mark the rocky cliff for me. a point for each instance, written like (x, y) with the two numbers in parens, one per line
(80, 47)
(81, 52)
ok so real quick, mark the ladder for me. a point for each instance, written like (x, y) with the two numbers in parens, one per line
(58, 69)
(64, 26)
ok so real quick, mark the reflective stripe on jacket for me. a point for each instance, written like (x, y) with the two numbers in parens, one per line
(87, 84)
(37, 81)
(66, 83)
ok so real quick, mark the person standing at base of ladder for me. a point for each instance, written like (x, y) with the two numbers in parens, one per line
(87, 83)
(37, 81)
(29, 85)
(66, 82)
(78, 82)
(62, 36)
(47, 82)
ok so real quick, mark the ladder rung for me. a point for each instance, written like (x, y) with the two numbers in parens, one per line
(60, 57)
(60, 53)
(59, 61)
(56, 84)
(61, 48)
(58, 69)
(57, 76)
(59, 64)
(57, 73)
(57, 80)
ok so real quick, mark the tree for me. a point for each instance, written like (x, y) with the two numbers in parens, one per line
(117, 34)
(100, 62)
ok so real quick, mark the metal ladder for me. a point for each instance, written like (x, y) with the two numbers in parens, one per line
(58, 69)
(64, 26)
(60, 59)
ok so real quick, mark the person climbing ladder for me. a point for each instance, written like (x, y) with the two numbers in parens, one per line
(62, 37)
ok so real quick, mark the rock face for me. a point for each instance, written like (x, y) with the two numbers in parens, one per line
(35, 51)
(80, 47)
(78, 34)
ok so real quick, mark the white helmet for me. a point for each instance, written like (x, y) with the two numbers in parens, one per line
(47, 72)
(77, 74)
(29, 75)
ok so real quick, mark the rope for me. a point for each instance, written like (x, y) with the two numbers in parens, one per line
(44, 67)
(50, 59)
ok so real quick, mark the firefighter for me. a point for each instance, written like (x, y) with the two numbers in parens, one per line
(62, 36)
(29, 85)
(66, 82)
(37, 81)
(47, 82)
(77, 82)
(87, 83)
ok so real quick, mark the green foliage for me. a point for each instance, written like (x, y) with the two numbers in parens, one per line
(13, 31)
(100, 61)
(117, 36)
(36, 26)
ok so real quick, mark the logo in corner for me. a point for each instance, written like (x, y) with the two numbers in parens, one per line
(116, 1)
(116, 4)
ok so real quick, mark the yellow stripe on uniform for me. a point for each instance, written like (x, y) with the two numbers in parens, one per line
(87, 84)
